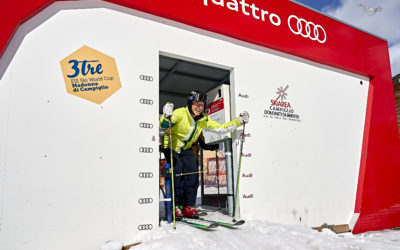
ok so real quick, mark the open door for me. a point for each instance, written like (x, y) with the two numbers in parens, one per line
(217, 181)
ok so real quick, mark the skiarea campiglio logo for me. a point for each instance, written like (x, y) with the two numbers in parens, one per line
(280, 108)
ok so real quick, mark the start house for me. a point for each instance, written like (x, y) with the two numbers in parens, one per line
(82, 84)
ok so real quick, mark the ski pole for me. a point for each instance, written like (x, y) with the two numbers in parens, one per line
(197, 172)
(238, 175)
(219, 197)
(172, 175)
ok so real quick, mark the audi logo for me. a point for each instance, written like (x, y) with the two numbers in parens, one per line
(146, 101)
(307, 29)
(145, 227)
(145, 150)
(146, 78)
(145, 125)
(145, 200)
(145, 175)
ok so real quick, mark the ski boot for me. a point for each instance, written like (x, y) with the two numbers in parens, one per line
(190, 212)
(178, 214)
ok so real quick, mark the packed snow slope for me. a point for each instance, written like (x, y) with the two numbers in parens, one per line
(261, 234)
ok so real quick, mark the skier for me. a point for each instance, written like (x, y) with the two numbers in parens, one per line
(187, 124)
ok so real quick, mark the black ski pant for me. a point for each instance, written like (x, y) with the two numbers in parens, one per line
(185, 185)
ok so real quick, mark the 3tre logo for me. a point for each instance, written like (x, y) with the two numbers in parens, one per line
(90, 74)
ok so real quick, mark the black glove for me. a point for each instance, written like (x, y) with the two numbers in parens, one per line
(166, 172)
(211, 147)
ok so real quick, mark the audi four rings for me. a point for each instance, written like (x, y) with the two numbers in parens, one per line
(146, 78)
(145, 125)
(145, 200)
(146, 101)
(145, 227)
(145, 150)
(307, 29)
(145, 175)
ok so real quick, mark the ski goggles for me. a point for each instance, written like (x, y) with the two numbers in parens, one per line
(198, 97)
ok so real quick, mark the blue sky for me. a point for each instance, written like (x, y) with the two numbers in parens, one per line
(320, 4)
(384, 23)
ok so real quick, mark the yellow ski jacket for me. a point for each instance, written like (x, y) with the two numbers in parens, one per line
(185, 130)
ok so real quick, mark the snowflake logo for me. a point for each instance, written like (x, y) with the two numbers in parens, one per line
(282, 93)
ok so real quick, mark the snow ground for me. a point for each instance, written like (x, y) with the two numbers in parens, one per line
(261, 234)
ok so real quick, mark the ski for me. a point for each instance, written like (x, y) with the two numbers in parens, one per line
(198, 225)
(225, 224)
(203, 213)
(222, 223)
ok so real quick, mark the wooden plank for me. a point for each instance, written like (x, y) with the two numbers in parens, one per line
(131, 245)
(343, 228)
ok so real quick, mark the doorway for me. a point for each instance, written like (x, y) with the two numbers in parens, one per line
(178, 77)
